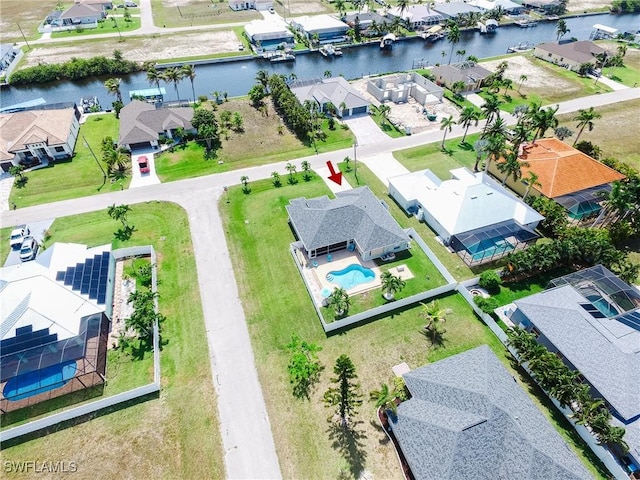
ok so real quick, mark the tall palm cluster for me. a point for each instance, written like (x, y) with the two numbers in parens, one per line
(298, 117)
(564, 385)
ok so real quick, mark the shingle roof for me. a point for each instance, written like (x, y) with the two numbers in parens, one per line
(602, 349)
(335, 90)
(465, 72)
(561, 169)
(142, 122)
(355, 214)
(78, 10)
(582, 51)
(21, 128)
(469, 418)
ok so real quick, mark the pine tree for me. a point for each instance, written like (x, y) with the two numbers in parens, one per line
(345, 395)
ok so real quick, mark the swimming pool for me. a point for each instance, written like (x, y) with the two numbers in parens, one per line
(604, 306)
(32, 383)
(351, 276)
(489, 248)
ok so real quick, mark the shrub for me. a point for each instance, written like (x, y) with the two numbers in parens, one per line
(487, 305)
(490, 281)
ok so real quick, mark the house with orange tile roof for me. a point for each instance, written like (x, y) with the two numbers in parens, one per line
(565, 174)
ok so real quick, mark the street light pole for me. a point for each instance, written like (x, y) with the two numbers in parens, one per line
(355, 161)
(104, 174)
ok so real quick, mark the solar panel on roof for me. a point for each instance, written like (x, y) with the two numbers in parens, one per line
(60, 276)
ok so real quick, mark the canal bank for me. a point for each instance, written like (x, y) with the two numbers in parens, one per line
(237, 76)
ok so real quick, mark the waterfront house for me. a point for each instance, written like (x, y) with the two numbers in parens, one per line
(455, 10)
(401, 87)
(105, 4)
(142, 124)
(509, 7)
(354, 220)
(469, 418)
(473, 214)
(36, 137)
(569, 55)
(365, 20)
(259, 5)
(591, 320)
(571, 178)
(269, 34)
(417, 16)
(337, 91)
(470, 73)
(327, 27)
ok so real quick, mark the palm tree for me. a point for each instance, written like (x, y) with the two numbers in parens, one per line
(585, 118)
(511, 165)
(391, 285)
(154, 77)
(495, 149)
(561, 29)
(531, 181)
(491, 107)
(339, 4)
(327, 74)
(434, 316)
(173, 75)
(189, 71)
(523, 78)
(542, 120)
(468, 116)
(496, 128)
(460, 53)
(479, 146)
(385, 398)
(340, 301)
(262, 77)
(113, 87)
(453, 37)
(402, 5)
(446, 124)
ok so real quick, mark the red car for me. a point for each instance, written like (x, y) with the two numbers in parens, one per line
(143, 163)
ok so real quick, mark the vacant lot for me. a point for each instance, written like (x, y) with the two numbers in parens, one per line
(277, 306)
(25, 15)
(141, 49)
(616, 133)
(185, 13)
(177, 435)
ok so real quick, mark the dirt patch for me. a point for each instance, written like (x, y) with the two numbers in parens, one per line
(537, 77)
(411, 114)
(301, 7)
(585, 5)
(137, 49)
(28, 13)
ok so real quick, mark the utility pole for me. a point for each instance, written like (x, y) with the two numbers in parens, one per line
(104, 174)
(355, 161)
(23, 37)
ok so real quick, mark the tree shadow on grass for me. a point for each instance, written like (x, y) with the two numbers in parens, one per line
(384, 439)
(348, 441)
(436, 340)
(465, 146)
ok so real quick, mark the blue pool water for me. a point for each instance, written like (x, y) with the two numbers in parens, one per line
(351, 276)
(32, 383)
(605, 307)
(489, 248)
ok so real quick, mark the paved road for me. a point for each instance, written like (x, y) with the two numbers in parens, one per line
(246, 433)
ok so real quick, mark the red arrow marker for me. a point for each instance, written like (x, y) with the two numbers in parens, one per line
(336, 177)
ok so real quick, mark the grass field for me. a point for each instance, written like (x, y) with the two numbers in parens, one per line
(25, 15)
(103, 27)
(277, 305)
(168, 13)
(79, 177)
(629, 74)
(615, 133)
(177, 435)
(259, 144)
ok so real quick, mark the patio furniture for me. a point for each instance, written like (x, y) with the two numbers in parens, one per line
(315, 264)
(329, 258)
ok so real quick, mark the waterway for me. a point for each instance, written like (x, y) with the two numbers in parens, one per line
(236, 78)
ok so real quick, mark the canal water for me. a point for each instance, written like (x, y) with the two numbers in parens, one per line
(236, 78)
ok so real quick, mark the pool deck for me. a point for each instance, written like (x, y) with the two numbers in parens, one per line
(317, 275)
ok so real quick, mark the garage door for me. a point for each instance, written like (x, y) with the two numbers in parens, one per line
(359, 110)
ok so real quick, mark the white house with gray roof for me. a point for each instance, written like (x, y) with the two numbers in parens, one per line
(468, 418)
(592, 318)
(142, 124)
(356, 219)
(337, 91)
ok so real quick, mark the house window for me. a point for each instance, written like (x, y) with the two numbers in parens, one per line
(59, 149)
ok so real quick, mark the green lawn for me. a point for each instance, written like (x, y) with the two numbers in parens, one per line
(197, 12)
(103, 27)
(451, 261)
(277, 305)
(431, 156)
(629, 74)
(512, 99)
(511, 291)
(177, 435)
(386, 126)
(79, 177)
(258, 144)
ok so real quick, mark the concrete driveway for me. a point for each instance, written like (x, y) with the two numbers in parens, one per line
(37, 232)
(385, 166)
(365, 130)
(139, 179)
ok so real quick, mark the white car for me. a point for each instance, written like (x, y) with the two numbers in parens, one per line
(18, 235)
(29, 249)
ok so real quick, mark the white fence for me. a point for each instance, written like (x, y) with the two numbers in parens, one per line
(114, 400)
